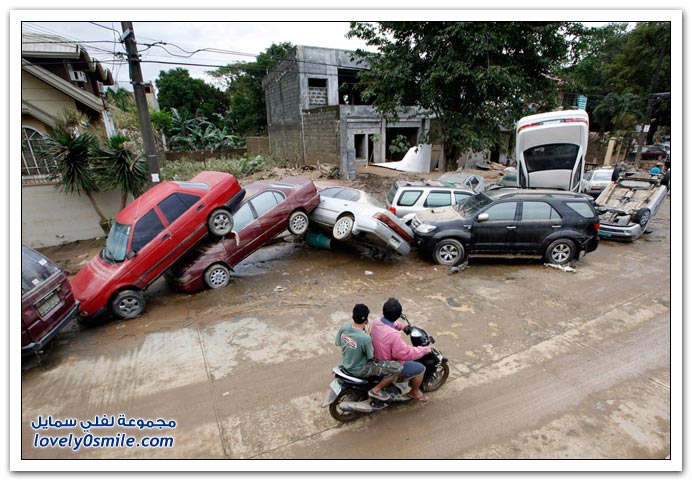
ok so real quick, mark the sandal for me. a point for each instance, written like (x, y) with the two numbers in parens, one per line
(423, 398)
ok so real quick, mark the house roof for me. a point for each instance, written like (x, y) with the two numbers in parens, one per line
(36, 45)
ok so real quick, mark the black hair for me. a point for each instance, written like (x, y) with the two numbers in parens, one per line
(391, 309)
(360, 313)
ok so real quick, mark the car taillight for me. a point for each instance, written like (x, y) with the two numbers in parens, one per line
(394, 226)
(392, 209)
(597, 226)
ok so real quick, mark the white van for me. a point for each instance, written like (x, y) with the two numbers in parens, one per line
(551, 148)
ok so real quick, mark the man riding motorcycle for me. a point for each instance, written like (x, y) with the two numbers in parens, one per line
(390, 346)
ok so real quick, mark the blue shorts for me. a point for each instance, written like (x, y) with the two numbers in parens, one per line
(412, 369)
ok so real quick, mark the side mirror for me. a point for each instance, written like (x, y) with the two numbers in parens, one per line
(131, 254)
(483, 217)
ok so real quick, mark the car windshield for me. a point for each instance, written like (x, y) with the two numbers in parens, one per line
(473, 204)
(602, 175)
(35, 269)
(115, 249)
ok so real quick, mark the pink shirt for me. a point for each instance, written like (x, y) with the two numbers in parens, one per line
(388, 344)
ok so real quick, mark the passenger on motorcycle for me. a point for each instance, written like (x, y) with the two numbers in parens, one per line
(358, 353)
(389, 346)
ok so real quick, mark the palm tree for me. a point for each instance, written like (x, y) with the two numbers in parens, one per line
(118, 165)
(70, 148)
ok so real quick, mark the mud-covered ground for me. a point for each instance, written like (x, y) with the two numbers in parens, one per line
(545, 364)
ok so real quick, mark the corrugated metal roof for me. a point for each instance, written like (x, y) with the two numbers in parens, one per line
(35, 44)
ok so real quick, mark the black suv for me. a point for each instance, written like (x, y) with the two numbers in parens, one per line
(556, 225)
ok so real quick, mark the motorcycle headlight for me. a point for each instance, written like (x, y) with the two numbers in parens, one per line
(425, 228)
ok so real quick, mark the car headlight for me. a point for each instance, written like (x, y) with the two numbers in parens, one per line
(425, 228)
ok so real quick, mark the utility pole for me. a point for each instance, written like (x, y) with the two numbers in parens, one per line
(128, 38)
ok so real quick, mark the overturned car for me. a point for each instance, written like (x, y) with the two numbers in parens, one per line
(626, 206)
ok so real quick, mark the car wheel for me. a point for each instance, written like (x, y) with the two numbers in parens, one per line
(298, 223)
(449, 252)
(217, 276)
(642, 217)
(220, 222)
(343, 227)
(560, 252)
(128, 304)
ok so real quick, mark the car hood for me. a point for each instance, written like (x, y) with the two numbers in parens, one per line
(438, 214)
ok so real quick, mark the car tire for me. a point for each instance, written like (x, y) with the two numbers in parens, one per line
(560, 252)
(642, 217)
(298, 223)
(127, 304)
(217, 276)
(449, 252)
(343, 227)
(220, 222)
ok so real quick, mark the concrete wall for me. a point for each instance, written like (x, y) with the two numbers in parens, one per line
(44, 96)
(50, 217)
(257, 146)
(321, 134)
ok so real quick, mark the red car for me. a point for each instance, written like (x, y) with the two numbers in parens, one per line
(267, 210)
(47, 301)
(148, 236)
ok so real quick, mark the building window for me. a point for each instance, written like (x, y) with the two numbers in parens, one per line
(35, 164)
(317, 91)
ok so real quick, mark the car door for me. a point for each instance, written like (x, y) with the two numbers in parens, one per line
(495, 233)
(329, 207)
(438, 198)
(151, 244)
(179, 212)
(538, 220)
(271, 210)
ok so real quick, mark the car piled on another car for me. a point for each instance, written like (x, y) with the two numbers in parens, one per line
(148, 236)
(559, 226)
(48, 304)
(351, 214)
(595, 181)
(267, 210)
(627, 206)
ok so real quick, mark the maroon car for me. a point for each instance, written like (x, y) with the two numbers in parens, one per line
(268, 209)
(47, 301)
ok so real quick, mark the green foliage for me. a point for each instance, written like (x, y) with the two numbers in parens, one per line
(120, 165)
(243, 84)
(191, 97)
(473, 76)
(121, 98)
(200, 134)
(162, 120)
(187, 169)
(69, 146)
(399, 144)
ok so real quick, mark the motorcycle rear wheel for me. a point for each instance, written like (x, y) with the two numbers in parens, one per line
(353, 395)
(438, 378)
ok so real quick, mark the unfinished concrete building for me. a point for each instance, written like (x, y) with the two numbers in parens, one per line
(316, 115)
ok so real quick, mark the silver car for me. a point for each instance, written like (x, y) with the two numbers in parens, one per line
(595, 181)
(408, 197)
(351, 214)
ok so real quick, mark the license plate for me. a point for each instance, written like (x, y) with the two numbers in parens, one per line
(394, 242)
(47, 305)
(336, 387)
(604, 234)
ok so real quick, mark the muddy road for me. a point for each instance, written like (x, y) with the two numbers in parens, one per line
(545, 364)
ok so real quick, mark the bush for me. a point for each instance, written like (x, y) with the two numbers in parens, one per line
(187, 169)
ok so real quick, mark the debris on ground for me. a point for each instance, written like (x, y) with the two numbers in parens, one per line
(369, 273)
(459, 268)
(561, 267)
(279, 289)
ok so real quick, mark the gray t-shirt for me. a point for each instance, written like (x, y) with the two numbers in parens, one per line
(356, 348)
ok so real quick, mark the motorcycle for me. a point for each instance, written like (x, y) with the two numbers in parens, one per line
(348, 395)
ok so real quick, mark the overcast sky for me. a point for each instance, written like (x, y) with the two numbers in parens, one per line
(240, 41)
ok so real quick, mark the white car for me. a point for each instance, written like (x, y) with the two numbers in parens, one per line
(408, 197)
(595, 181)
(351, 214)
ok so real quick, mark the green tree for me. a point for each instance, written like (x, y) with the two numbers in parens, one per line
(192, 97)
(70, 146)
(120, 165)
(243, 84)
(120, 98)
(474, 77)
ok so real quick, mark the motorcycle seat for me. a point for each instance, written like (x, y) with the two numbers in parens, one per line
(342, 372)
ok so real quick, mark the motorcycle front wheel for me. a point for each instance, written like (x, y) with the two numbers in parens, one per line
(353, 395)
(438, 378)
